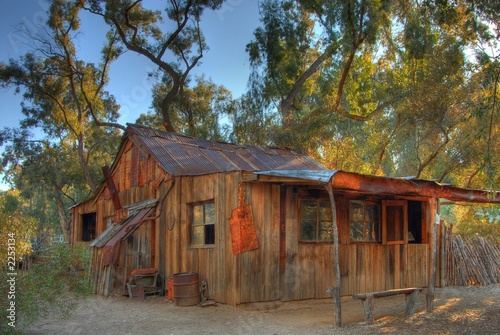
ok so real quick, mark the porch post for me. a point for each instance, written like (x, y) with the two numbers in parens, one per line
(434, 221)
(335, 290)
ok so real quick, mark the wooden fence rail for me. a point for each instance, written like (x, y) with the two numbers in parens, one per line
(471, 261)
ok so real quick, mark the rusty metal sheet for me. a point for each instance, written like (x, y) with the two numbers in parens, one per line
(112, 247)
(243, 234)
(183, 155)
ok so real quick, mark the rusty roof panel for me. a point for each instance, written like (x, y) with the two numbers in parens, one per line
(183, 155)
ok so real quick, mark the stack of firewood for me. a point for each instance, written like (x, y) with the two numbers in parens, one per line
(472, 261)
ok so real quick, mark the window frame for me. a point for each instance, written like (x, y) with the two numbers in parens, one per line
(379, 216)
(388, 231)
(318, 220)
(204, 224)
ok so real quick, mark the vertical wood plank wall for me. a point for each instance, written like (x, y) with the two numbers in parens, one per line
(364, 267)
(216, 263)
(251, 276)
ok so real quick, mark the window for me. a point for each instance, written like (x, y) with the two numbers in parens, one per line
(88, 227)
(316, 221)
(203, 224)
(364, 221)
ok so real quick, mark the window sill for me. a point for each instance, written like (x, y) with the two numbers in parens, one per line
(206, 246)
(315, 242)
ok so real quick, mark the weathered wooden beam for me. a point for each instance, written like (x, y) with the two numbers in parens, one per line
(335, 291)
(108, 178)
(432, 245)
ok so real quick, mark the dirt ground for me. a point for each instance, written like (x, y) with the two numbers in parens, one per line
(458, 310)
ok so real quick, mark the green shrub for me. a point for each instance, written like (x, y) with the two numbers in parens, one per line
(53, 284)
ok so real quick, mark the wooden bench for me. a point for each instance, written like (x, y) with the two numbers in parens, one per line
(411, 295)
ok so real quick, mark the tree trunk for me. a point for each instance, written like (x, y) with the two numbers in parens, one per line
(65, 223)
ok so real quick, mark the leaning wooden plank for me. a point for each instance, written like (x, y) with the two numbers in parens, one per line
(410, 302)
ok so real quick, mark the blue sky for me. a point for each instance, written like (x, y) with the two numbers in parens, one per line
(227, 31)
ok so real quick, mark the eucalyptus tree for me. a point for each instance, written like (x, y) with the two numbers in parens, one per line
(64, 96)
(64, 99)
(201, 111)
(175, 50)
(307, 50)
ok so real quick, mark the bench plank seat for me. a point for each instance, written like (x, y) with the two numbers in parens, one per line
(411, 295)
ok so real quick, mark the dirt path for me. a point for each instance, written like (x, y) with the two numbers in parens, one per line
(464, 310)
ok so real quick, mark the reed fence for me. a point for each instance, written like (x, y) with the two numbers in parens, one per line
(471, 261)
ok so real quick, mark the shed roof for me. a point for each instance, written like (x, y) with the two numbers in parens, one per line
(181, 155)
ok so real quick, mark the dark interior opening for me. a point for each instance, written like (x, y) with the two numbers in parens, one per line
(414, 222)
(88, 227)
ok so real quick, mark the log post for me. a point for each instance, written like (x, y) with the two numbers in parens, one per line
(434, 221)
(368, 305)
(335, 291)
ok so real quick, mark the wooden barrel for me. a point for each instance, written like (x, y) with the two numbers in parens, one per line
(186, 288)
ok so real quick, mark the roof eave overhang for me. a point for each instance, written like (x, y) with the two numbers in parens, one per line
(366, 184)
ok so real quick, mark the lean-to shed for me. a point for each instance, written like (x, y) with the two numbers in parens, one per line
(257, 223)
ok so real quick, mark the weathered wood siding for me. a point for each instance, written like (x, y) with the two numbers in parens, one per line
(364, 267)
(258, 269)
(375, 267)
(309, 266)
(215, 263)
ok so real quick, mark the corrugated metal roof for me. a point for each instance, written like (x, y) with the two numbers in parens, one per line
(320, 176)
(181, 155)
(143, 207)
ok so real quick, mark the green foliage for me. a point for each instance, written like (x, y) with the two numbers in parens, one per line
(471, 220)
(199, 111)
(53, 285)
(15, 225)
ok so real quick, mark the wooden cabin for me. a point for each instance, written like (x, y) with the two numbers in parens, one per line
(258, 224)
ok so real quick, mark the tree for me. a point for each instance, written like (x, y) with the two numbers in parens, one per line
(138, 30)
(65, 98)
(200, 110)
(16, 229)
(305, 44)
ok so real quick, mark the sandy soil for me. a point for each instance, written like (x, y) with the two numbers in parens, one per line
(464, 310)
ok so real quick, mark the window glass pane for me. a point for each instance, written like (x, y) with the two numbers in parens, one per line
(326, 231)
(356, 211)
(356, 231)
(197, 238)
(325, 211)
(308, 230)
(372, 219)
(197, 215)
(308, 210)
(364, 222)
(371, 213)
(210, 234)
(209, 213)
